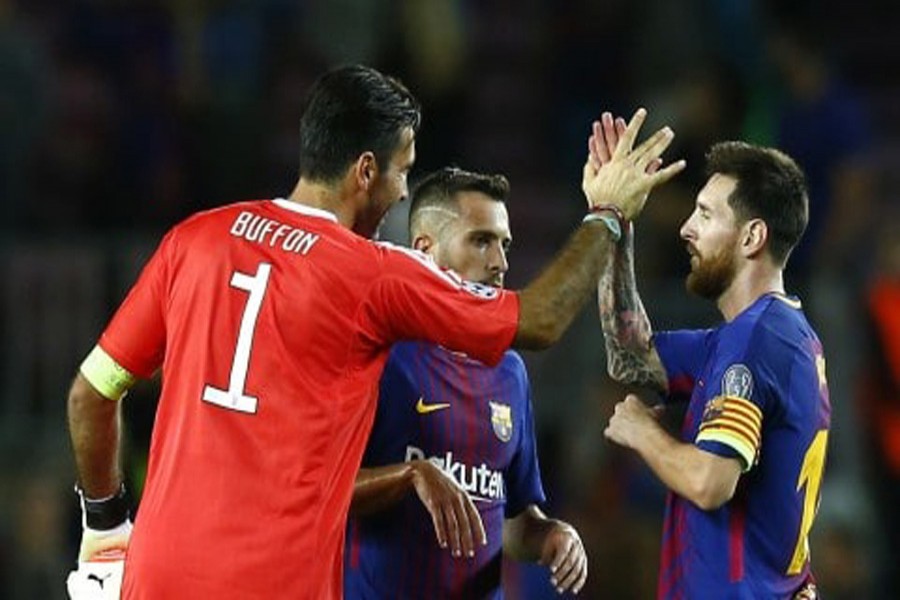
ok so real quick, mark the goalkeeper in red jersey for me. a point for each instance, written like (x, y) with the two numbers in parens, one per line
(271, 321)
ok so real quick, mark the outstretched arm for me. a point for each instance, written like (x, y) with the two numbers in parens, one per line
(533, 537)
(549, 304)
(457, 523)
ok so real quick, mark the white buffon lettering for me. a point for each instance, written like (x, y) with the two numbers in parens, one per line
(263, 231)
(254, 228)
(279, 233)
(240, 224)
(266, 230)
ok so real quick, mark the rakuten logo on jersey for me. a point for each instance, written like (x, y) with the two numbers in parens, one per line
(482, 483)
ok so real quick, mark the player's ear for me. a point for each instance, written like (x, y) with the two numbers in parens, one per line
(365, 169)
(755, 234)
(423, 243)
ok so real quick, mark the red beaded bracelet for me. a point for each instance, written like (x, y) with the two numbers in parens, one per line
(620, 216)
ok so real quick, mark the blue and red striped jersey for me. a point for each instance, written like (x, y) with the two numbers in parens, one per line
(476, 423)
(758, 393)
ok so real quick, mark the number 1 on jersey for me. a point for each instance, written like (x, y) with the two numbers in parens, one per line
(234, 397)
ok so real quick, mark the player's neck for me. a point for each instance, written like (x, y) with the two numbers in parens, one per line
(749, 284)
(324, 197)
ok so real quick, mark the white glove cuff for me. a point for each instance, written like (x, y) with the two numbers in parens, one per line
(123, 529)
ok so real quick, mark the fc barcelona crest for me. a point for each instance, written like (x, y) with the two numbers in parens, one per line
(713, 409)
(501, 420)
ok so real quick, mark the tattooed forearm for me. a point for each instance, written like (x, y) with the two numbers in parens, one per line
(629, 352)
(628, 366)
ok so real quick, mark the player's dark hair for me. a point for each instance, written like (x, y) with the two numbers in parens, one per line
(770, 186)
(351, 110)
(439, 188)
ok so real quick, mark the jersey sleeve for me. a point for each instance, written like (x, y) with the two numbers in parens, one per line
(523, 475)
(683, 354)
(415, 300)
(135, 337)
(731, 424)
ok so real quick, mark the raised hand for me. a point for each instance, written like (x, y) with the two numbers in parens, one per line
(621, 175)
(605, 134)
(457, 522)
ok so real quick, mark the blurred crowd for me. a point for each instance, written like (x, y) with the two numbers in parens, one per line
(120, 117)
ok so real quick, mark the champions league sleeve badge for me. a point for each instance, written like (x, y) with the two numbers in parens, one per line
(501, 421)
(737, 382)
(480, 289)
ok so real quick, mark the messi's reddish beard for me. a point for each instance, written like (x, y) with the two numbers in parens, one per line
(713, 274)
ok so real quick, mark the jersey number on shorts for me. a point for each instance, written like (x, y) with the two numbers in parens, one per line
(811, 475)
(235, 397)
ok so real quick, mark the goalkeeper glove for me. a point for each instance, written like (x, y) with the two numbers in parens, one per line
(104, 541)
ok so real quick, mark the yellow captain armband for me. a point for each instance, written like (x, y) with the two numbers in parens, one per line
(107, 376)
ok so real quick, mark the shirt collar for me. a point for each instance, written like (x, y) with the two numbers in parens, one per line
(303, 209)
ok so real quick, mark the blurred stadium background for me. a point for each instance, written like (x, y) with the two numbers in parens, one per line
(118, 118)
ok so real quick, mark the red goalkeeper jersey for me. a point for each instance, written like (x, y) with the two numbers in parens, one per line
(272, 323)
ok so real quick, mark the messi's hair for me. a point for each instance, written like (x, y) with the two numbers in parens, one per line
(351, 110)
(770, 186)
(440, 188)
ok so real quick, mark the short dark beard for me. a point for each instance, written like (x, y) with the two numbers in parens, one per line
(713, 275)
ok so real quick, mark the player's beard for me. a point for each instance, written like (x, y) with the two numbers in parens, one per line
(713, 274)
(368, 222)
(367, 225)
